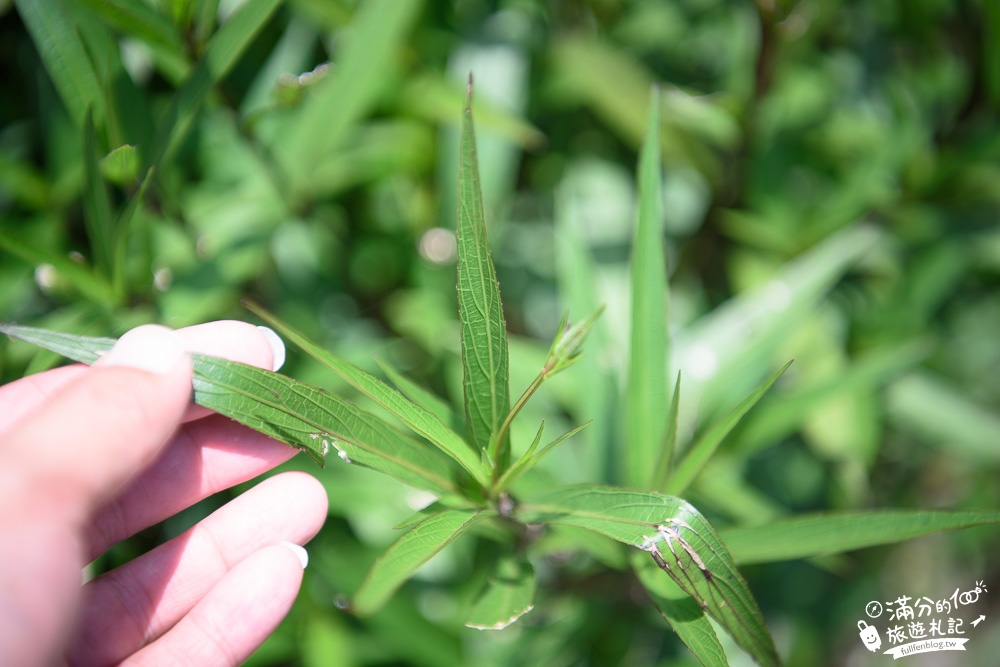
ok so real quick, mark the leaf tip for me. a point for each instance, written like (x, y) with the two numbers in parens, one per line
(468, 95)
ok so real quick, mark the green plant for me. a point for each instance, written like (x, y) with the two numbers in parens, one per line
(689, 569)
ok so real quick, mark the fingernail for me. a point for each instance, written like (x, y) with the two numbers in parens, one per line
(299, 552)
(277, 348)
(149, 348)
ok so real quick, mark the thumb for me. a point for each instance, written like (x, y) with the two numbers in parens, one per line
(90, 438)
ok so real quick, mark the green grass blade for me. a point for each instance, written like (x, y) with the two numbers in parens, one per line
(683, 614)
(84, 349)
(121, 232)
(417, 418)
(296, 413)
(221, 54)
(646, 391)
(409, 552)
(825, 535)
(138, 19)
(530, 458)
(52, 29)
(668, 450)
(91, 285)
(364, 63)
(485, 364)
(509, 595)
(702, 450)
(578, 284)
(631, 517)
(96, 203)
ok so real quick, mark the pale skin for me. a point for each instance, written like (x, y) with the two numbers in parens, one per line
(89, 456)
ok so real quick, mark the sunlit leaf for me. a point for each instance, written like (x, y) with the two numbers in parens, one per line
(296, 413)
(701, 451)
(509, 595)
(416, 417)
(409, 552)
(365, 61)
(121, 166)
(484, 335)
(682, 613)
(675, 532)
(646, 391)
(64, 56)
(96, 203)
(221, 54)
(824, 535)
(418, 394)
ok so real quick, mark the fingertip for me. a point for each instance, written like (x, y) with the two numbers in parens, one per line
(277, 347)
(299, 551)
(150, 348)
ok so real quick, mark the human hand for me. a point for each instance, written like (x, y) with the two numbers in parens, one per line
(89, 456)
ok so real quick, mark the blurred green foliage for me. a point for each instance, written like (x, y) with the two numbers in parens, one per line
(832, 191)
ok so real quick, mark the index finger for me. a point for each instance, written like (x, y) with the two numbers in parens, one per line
(227, 339)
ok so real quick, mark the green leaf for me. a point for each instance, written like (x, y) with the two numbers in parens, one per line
(91, 285)
(825, 535)
(681, 612)
(121, 166)
(223, 50)
(702, 450)
(96, 203)
(138, 19)
(665, 462)
(417, 418)
(529, 459)
(365, 60)
(84, 349)
(296, 413)
(422, 397)
(52, 28)
(409, 552)
(693, 554)
(485, 364)
(646, 391)
(509, 595)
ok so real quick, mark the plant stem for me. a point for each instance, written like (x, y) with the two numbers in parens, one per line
(505, 426)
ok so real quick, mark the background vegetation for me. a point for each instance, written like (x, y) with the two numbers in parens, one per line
(832, 186)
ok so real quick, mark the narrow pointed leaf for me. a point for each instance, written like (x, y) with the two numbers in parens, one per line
(646, 391)
(485, 363)
(632, 517)
(296, 413)
(96, 203)
(422, 421)
(221, 54)
(523, 464)
(664, 465)
(683, 614)
(409, 552)
(702, 450)
(509, 595)
(366, 63)
(825, 535)
(140, 20)
(121, 230)
(81, 277)
(309, 417)
(54, 33)
(422, 397)
(84, 349)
